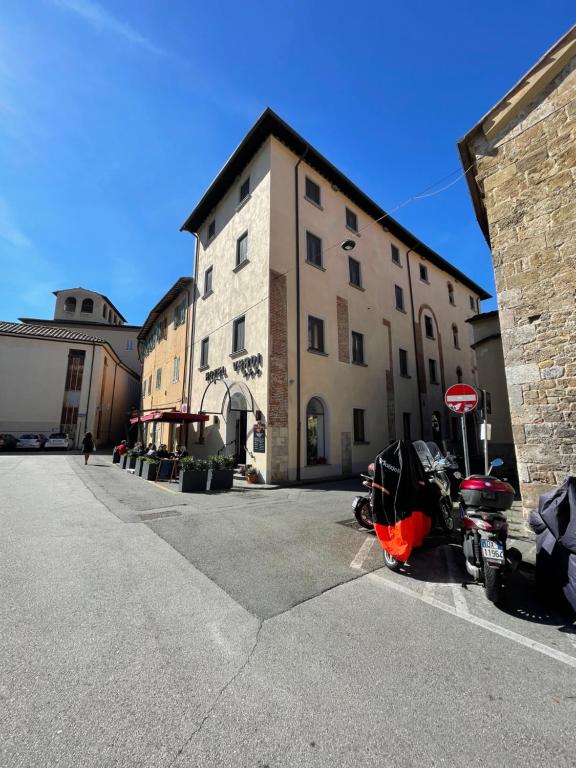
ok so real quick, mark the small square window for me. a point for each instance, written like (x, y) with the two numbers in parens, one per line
(351, 220)
(242, 249)
(211, 229)
(403, 357)
(354, 269)
(432, 371)
(238, 340)
(395, 254)
(357, 347)
(359, 433)
(423, 275)
(204, 347)
(399, 292)
(315, 334)
(313, 249)
(429, 327)
(244, 189)
(312, 191)
(208, 281)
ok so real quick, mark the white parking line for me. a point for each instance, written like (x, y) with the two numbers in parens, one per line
(456, 583)
(382, 580)
(363, 553)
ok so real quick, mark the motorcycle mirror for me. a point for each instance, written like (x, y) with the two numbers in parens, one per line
(496, 463)
(458, 475)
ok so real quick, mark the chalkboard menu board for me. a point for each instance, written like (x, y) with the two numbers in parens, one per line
(259, 441)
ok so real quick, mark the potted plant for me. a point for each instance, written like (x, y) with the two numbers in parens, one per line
(193, 474)
(149, 467)
(138, 467)
(221, 473)
(251, 475)
(131, 460)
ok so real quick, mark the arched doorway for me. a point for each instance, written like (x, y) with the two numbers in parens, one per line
(315, 432)
(237, 426)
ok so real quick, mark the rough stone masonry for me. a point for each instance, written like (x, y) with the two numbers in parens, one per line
(527, 174)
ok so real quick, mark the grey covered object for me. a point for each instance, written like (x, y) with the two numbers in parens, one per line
(555, 527)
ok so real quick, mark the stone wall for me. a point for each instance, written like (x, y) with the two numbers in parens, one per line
(528, 176)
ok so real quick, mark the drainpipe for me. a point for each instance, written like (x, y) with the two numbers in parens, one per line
(190, 367)
(411, 250)
(112, 404)
(185, 372)
(298, 345)
(89, 387)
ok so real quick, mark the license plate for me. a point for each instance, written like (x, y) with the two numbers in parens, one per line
(488, 494)
(492, 550)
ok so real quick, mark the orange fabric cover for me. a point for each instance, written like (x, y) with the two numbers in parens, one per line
(400, 539)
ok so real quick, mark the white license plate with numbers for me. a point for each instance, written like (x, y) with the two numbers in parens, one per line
(492, 550)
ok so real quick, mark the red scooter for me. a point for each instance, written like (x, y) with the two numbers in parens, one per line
(483, 500)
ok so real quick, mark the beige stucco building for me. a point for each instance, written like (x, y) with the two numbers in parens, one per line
(164, 348)
(308, 357)
(84, 311)
(57, 380)
(520, 161)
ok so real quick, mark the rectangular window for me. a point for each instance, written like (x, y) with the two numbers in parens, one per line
(429, 327)
(315, 334)
(312, 191)
(351, 220)
(204, 347)
(75, 370)
(359, 434)
(354, 270)
(406, 426)
(242, 249)
(403, 356)
(130, 344)
(158, 378)
(357, 347)
(183, 313)
(472, 305)
(238, 335)
(399, 297)
(432, 371)
(208, 281)
(423, 275)
(244, 189)
(395, 253)
(313, 249)
(211, 229)
(176, 372)
(150, 384)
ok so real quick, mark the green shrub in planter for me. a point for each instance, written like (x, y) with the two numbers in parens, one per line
(193, 474)
(131, 462)
(221, 473)
(149, 468)
(138, 467)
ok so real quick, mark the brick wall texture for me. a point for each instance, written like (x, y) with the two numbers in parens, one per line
(277, 425)
(528, 175)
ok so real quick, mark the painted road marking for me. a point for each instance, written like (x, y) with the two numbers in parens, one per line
(363, 553)
(564, 658)
(456, 585)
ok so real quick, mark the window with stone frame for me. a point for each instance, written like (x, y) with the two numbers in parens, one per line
(399, 294)
(208, 281)
(313, 249)
(242, 249)
(204, 350)
(358, 348)
(238, 335)
(354, 272)
(315, 334)
(432, 371)
(403, 359)
(455, 336)
(428, 327)
(451, 298)
(211, 229)
(395, 251)
(244, 190)
(359, 431)
(351, 220)
(312, 191)
(423, 275)
(158, 378)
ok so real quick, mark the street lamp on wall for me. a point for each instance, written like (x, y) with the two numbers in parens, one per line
(348, 245)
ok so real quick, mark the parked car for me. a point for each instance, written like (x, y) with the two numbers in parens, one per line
(30, 440)
(58, 440)
(8, 442)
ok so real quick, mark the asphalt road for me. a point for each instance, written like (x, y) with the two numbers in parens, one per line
(140, 627)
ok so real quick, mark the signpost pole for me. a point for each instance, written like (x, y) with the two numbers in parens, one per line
(485, 417)
(465, 441)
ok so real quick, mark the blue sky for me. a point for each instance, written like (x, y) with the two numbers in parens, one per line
(116, 115)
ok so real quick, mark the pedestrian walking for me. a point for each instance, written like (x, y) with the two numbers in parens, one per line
(87, 446)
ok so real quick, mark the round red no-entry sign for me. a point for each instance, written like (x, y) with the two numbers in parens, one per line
(461, 398)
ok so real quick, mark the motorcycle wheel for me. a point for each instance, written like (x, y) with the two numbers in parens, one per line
(446, 518)
(391, 562)
(363, 516)
(493, 584)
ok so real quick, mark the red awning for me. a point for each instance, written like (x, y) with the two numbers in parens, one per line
(173, 416)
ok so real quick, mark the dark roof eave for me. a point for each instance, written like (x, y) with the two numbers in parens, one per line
(32, 320)
(270, 124)
(181, 284)
(482, 316)
(469, 166)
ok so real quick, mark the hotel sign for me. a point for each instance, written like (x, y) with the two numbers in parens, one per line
(216, 374)
(250, 366)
